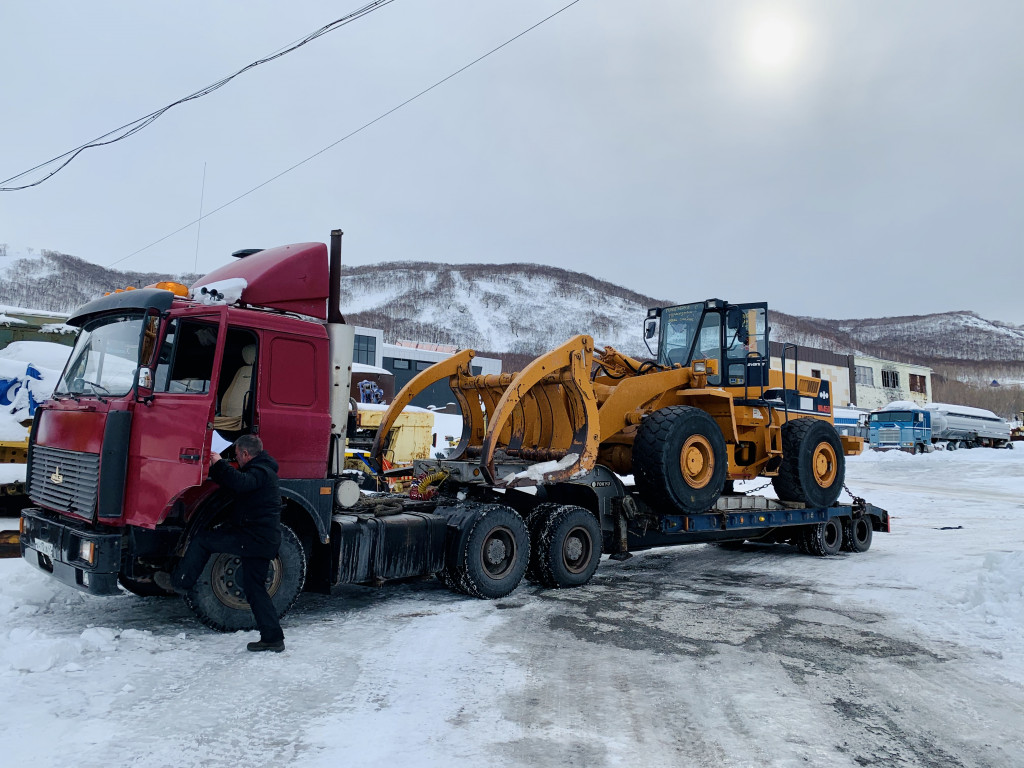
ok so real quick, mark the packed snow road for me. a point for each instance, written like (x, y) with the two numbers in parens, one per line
(908, 655)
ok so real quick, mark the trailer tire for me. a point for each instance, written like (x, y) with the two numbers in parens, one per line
(813, 465)
(217, 599)
(857, 534)
(535, 522)
(567, 550)
(823, 539)
(495, 554)
(679, 460)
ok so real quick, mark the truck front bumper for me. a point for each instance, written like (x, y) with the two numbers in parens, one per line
(74, 553)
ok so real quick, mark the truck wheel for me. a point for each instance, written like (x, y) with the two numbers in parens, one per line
(919, 449)
(679, 460)
(496, 552)
(535, 522)
(218, 600)
(568, 549)
(824, 539)
(857, 534)
(813, 465)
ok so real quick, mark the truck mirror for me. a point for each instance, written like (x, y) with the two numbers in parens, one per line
(144, 389)
(650, 328)
(734, 318)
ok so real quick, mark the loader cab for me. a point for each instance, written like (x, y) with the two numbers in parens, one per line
(734, 335)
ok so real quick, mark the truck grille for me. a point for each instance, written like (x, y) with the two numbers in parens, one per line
(66, 481)
(889, 435)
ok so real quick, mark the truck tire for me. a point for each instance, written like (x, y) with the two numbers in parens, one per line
(813, 465)
(495, 554)
(857, 534)
(217, 598)
(679, 460)
(535, 522)
(823, 539)
(567, 550)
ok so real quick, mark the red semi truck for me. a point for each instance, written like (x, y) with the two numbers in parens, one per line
(118, 460)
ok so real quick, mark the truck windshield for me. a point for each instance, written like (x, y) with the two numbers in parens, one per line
(892, 416)
(678, 330)
(105, 357)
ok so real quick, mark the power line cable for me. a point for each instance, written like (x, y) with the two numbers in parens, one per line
(346, 136)
(129, 129)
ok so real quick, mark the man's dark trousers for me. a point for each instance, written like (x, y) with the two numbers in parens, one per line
(254, 576)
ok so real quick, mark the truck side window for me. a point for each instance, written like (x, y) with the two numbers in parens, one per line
(185, 364)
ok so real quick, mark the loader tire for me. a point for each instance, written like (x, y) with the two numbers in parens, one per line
(857, 534)
(535, 522)
(679, 460)
(217, 599)
(567, 550)
(813, 465)
(823, 539)
(495, 554)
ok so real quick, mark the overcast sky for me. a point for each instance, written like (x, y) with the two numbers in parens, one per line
(847, 158)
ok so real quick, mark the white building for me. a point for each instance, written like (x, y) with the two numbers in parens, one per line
(878, 382)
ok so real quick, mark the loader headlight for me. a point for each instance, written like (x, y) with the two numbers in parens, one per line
(700, 366)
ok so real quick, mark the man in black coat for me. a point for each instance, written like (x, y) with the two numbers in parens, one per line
(253, 533)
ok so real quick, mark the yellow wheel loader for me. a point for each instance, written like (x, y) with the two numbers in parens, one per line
(705, 411)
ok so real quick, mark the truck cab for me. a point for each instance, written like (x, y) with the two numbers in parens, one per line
(158, 378)
(904, 429)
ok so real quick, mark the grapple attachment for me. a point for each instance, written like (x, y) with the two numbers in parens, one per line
(545, 415)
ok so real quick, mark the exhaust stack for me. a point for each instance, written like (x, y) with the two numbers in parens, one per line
(342, 346)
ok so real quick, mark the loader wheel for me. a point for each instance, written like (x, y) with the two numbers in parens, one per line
(813, 465)
(679, 460)
(218, 600)
(535, 522)
(857, 534)
(823, 539)
(495, 554)
(567, 550)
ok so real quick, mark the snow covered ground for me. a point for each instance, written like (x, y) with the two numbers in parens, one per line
(908, 655)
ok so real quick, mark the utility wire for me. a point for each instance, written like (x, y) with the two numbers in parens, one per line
(348, 135)
(129, 129)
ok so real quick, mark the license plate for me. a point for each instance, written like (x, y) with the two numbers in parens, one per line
(44, 547)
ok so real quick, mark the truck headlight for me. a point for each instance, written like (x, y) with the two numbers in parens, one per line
(86, 551)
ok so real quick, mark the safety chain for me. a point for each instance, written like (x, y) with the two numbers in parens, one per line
(858, 502)
(759, 488)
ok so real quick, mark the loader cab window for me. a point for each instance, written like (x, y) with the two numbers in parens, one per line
(746, 338)
(709, 344)
(185, 362)
(678, 331)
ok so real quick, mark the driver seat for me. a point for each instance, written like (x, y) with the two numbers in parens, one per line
(232, 404)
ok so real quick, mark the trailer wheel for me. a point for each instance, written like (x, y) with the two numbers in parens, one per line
(857, 534)
(496, 552)
(813, 465)
(535, 522)
(823, 539)
(217, 598)
(568, 548)
(679, 460)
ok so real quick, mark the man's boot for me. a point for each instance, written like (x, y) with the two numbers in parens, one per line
(260, 645)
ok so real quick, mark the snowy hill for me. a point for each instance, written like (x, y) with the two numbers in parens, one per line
(529, 308)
